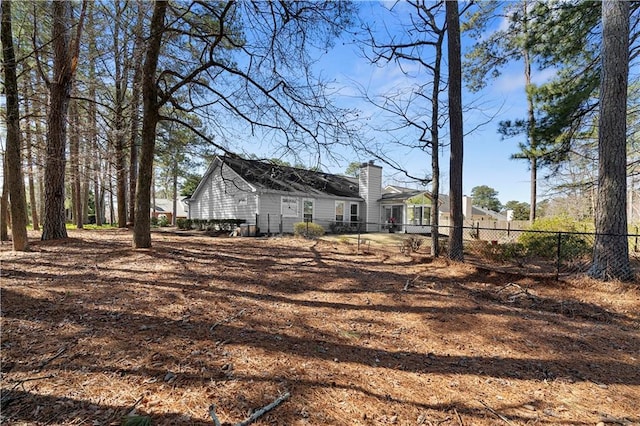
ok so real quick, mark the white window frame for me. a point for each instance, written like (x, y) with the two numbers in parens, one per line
(336, 211)
(289, 206)
(313, 208)
(357, 212)
(425, 214)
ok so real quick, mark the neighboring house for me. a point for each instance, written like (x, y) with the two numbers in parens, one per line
(473, 215)
(164, 207)
(412, 208)
(275, 197)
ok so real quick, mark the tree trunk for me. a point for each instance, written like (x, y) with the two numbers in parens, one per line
(96, 157)
(135, 115)
(74, 160)
(111, 209)
(174, 185)
(455, 130)
(60, 88)
(533, 164)
(15, 180)
(118, 124)
(29, 149)
(4, 207)
(435, 149)
(40, 111)
(151, 116)
(40, 151)
(121, 170)
(531, 119)
(611, 249)
(86, 182)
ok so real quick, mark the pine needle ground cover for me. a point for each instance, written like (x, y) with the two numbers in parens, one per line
(94, 331)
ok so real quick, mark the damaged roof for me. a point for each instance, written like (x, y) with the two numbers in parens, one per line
(269, 176)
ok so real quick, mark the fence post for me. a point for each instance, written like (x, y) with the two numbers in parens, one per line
(268, 224)
(635, 245)
(508, 229)
(281, 226)
(558, 256)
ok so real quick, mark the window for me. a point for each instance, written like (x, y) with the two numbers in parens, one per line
(339, 211)
(419, 215)
(393, 214)
(289, 207)
(307, 210)
(354, 213)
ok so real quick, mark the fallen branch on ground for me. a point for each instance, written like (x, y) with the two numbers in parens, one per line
(521, 292)
(500, 416)
(509, 285)
(8, 397)
(30, 379)
(212, 413)
(226, 320)
(47, 361)
(410, 282)
(256, 414)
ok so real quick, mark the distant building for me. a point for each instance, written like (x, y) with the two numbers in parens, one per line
(163, 207)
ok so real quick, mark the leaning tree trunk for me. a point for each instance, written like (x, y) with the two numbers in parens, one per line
(611, 249)
(455, 130)
(15, 180)
(151, 116)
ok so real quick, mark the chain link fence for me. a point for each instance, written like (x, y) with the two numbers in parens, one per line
(550, 253)
(561, 253)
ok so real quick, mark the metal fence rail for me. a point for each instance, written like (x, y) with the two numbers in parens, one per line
(563, 252)
(554, 253)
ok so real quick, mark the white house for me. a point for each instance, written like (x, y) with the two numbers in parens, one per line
(275, 197)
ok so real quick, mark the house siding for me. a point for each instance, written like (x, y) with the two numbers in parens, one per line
(270, 208)
(224, 196)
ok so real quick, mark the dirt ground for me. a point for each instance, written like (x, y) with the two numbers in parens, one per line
(93, 331)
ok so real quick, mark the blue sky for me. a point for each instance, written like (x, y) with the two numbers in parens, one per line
(486, 157)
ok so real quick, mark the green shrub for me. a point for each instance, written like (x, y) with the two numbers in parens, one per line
(558, 224)
(210, 224)
(154, 221)
(345, 227)
(308, 229)
(545, 242)
(183, 223)
(506, 252)
(163, 220)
